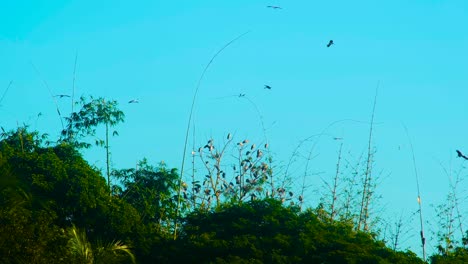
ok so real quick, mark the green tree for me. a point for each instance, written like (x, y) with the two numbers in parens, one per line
(60, 189)
(82, 124)
(265, 231)
(152, 191)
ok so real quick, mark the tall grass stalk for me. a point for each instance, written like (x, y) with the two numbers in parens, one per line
(364, 209)
(73, 91)
(4, 93)
(335, 185)
(188, 126)
(423, 238)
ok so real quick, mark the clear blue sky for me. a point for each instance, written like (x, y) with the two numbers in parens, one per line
(156, 50)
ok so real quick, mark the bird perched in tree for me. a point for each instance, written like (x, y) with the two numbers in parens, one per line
(330, 43)
(259, 154)
(460, 155)
(133, 101)
(267, 87)
(61, 95)
(275, 7)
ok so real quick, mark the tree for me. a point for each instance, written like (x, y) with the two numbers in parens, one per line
(81, 124)
(152, 191)
(265, 231)
(44, 190)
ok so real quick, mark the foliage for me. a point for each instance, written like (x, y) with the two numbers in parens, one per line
(458, 256)
(84, 123)
(265, 231)
(54, 207)
(46, 189)
(82, 251)
(28, 236)
(152, 191)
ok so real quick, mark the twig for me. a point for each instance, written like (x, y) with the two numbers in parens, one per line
(4, 93)
(455, 199)
(73, 91)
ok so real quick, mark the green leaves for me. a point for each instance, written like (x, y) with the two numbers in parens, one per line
(265, 231)
(93, 113)
(83, 251)
(151, 191)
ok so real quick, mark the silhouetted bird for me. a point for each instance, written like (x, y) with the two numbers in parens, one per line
(61, 95)
(460, 155)
(133, 101)
(275, 7)
(267, 87)
(241, 95)
(330, 43)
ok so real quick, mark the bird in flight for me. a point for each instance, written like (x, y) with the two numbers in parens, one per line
(267, 87)
(133, 101)
(460, 155)
(61, 95)
(275, 7)
(330, 43)
(241, 95)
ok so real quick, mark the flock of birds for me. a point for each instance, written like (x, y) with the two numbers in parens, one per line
(268, 87)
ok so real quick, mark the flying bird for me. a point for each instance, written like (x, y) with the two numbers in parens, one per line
(274, 7)
(330, 43)
(460, 155)
(61, 95)
(267, 87)
(241, 95)
(133, 101)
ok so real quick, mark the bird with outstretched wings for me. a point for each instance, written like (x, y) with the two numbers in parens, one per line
(61, 95)
(267, 87)
(460, 155)
(274, 7)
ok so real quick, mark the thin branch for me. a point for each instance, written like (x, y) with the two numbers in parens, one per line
(73, 90)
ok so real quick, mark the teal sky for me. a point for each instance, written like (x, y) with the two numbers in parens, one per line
(156, 50)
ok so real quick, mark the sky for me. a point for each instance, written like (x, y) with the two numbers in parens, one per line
(409, 55)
